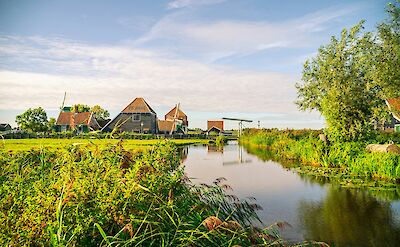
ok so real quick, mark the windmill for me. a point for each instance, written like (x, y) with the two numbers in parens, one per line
(62, 105)
(175, 121)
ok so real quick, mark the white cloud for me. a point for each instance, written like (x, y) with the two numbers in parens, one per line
(113, 75)
(176, 4)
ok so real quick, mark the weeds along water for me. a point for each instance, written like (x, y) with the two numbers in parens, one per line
(89, 195)
(346, 161)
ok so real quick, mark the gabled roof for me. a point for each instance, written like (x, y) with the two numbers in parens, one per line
(72, 118)
(164, 125)
(219, 124)
(3, 125)
(180, 113)
(394, 107)
(213, 128)
(138, 105)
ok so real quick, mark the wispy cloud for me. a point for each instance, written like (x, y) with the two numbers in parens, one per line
(216, 39)
(176, 4)
(114, 75)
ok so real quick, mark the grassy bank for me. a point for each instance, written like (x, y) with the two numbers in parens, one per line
(130, 144)
(346, 158)
(106, 195)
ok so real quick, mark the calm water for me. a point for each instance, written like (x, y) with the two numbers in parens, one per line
(318, 211)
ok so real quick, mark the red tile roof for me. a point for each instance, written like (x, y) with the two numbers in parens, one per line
(72, 118)
(217, 124)
(179, 115)
(138, 105)
(394, 105)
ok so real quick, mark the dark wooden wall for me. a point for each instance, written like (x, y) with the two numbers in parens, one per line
(149, 121)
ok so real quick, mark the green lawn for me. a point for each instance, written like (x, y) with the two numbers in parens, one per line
(27, 144)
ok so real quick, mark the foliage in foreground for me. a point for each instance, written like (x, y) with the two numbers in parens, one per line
(94, 196)
(349, 157)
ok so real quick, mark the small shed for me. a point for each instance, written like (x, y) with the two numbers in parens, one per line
(216, 126)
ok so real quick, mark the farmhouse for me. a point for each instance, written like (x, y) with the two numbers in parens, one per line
(76, 121)
(394, 107)
(215, 126)
(138, 117)
(5, 127)
(175, 120)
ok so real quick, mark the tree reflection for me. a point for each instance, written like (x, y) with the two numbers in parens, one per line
(349, 218)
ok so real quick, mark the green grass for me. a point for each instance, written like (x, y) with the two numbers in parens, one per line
(92, 195)
(347, 157)
(28, 144)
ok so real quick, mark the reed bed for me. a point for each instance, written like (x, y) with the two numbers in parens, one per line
(348, 157)
(90, 195)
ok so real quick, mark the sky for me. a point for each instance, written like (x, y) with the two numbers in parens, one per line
(217, 58)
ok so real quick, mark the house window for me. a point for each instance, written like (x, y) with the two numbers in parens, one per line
(136, 117)
(64, 128)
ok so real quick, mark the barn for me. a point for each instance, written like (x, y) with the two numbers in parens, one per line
(137, 117)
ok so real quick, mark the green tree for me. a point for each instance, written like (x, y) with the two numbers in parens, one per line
(51, 124)
(80, 108)
(386, 62)
(100, 113)
(387, 58)
(350, 79)
(34, 120)
(337, 83)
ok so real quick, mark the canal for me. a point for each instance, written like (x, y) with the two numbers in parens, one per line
(314, 209)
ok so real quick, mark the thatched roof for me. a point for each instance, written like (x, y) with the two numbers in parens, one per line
(164, 126)
(138, 105)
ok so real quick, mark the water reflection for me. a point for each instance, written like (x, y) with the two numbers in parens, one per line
(215, 149)
(349, 218)
(315, 209)
(184, 151)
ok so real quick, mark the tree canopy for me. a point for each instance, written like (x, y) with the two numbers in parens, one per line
(34, 120)
(80, 108)
(351, 77)
(98, 112)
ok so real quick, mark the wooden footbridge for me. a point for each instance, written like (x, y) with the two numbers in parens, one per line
(240, 123)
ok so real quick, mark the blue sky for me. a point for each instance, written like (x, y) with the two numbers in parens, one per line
(218, 58)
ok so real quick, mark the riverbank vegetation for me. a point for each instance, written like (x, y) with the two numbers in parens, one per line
(349, 158)
(129, 144)
(91, 195)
